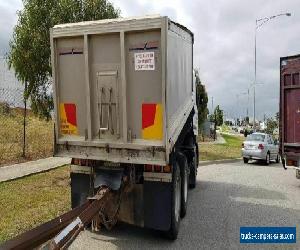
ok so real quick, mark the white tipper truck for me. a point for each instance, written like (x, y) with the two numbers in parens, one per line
(124, 101)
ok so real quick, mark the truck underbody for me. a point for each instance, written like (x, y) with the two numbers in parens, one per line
(149, 198)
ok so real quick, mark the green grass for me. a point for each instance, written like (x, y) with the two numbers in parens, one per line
(224, 128)
(31, 201)
(229, 150)
(39, 137)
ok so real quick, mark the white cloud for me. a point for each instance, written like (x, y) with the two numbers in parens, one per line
(8, 19)
(224, 46)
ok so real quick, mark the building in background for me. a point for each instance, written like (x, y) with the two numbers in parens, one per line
(263, 125)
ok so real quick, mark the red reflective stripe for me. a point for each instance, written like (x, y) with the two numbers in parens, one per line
(70, 109)
(148, 114)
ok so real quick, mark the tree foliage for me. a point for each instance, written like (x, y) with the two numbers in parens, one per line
(201, 100)
(30, 45)
(271, 125)
(217, 116)
(244, 121)
(277, 117)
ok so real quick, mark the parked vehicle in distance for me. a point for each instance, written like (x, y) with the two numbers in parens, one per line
(260, 146)
(289, 118)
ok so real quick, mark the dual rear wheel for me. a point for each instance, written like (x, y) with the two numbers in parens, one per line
(176, 203)
(184, 176)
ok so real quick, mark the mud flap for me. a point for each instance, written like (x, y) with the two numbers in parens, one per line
(157, 205)
(80, 188)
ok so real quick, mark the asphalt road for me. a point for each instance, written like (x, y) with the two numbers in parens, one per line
(227, 196)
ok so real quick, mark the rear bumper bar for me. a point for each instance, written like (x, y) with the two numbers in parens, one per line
(144, 155)
(254, 154)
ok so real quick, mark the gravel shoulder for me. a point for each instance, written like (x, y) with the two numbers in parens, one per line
(227, 196)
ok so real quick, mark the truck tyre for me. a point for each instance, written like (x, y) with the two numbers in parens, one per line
(184, 173)
(246, 160)
(194, 167)
(277, 159)
(175, 206)
(297, 174)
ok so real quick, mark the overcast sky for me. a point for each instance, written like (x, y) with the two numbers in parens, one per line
(224, 44)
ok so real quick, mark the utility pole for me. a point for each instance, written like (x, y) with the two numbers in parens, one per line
(259, 23)
(215, 133)
(237, 112)
(248, 104)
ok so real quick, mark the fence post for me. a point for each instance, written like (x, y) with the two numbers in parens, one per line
(24, 121)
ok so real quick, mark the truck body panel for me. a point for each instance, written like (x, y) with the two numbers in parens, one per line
(290, 110)
(122, 88)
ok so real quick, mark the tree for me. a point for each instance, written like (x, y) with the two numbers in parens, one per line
(201, 100)
(247, 120)
(271, 125)
(219, 116)
(29, 53)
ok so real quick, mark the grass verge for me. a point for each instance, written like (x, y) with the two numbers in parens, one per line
(229, 150)
(31, 201)
(39, 137)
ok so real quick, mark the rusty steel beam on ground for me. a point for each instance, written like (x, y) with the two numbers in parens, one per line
(61, 231)
(37, 236)
(69, 233)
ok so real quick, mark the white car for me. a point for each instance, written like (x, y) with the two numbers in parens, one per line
(260, 146)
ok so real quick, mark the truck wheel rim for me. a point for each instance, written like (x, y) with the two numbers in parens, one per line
(177, 197)
(268, 158)
(185, 186)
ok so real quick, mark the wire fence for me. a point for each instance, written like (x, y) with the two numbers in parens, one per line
(23, 136)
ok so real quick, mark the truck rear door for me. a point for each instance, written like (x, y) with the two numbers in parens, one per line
(292, 116)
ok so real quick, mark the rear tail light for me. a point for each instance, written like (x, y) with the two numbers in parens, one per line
(148, 168)
(157, 168)
(167, 169)
(80, 162)
(260, 146)
(75, 161)
(292, 163)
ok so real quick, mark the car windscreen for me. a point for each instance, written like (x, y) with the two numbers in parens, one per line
(255, 137)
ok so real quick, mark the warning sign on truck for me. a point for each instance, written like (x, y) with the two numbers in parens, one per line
(144, 61)
(68, 123)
